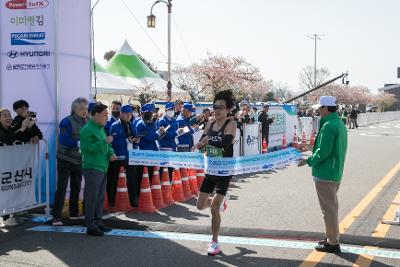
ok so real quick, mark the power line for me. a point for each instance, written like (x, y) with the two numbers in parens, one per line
(183, 41)
(145, 32)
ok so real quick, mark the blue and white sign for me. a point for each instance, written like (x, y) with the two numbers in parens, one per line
(214, 166)
(28, 38)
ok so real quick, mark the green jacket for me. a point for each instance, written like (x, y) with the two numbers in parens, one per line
(329, 152)
(95, 150)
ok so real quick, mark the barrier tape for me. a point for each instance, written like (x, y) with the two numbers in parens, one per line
(215, 166)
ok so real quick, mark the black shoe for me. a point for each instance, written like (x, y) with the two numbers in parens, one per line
(323, 241)
(328, 248)
(94, 232)
(104, 229)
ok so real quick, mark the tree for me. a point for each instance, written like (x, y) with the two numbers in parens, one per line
(385, 100)
(109, 54)
(307, 77)
(349, 95)
(186, 79)
(216, 73)
(282, 92)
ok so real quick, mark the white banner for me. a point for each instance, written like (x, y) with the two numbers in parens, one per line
(251, 139)
(284, 123)
(17, 170)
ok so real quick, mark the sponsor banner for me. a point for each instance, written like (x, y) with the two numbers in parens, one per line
(214, 166)
(17, 177)
(284, 124)
(251, 139)
(189, 160)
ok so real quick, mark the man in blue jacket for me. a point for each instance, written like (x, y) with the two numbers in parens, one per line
(167, 140)
(115, 113)
(121, 131)
(69, 160)
(147, 131)
(185, 130)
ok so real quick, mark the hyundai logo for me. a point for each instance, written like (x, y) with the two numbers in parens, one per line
(12, 54)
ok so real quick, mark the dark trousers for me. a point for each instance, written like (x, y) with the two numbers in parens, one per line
(112, 179)
(95, 188)
(67, 171)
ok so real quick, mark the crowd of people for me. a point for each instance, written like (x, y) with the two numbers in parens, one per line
(95, 145)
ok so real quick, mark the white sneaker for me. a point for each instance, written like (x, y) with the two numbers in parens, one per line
(224, 204)
(57, 222)
(213, 248)
(79, 217)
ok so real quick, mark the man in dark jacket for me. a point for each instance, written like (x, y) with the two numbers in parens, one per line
(21, 107)
(265, 122)
(69, 160)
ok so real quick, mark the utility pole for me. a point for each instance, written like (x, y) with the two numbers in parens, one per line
(315, 37)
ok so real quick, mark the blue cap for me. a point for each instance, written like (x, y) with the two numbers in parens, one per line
(91, 106)
(169, 106)
(189, 107)
(148, 107)
(126, 109)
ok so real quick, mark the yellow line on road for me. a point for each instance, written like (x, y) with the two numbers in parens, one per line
(315, 257)
(380, 231)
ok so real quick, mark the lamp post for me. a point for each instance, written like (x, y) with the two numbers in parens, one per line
(151, 23)
(315, 37)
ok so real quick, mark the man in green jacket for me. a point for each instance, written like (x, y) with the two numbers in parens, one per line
(327, 163)
(96, 153)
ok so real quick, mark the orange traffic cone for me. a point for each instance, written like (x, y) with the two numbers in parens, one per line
(185, 184)
(284, 144)
(122, 198)
(264, 146)
(303, 138)
(200, 177)
(166, 188)
(194, 189)
(312, 138)
(295, 141)
(145, 198)
(177, 189)
(156, 189)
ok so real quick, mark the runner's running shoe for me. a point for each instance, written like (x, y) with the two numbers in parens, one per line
(224, 204)
(213, 248)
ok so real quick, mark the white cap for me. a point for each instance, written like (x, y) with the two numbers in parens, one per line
(327, 101)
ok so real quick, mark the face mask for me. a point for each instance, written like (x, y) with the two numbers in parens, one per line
(170, 113)
(115, 114)
(147, 116)
(135, 114)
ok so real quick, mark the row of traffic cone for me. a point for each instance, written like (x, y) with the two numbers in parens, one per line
(303, 138)
(185, 185)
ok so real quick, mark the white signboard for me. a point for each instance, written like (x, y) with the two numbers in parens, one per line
(17, 177)
(251, 139)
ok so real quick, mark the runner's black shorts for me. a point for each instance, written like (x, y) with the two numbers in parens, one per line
(219, 183)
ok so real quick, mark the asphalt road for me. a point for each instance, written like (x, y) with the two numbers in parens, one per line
(278, 209)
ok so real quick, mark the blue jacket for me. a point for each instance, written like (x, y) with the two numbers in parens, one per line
(167, 140)
(148, 135)
(120, 143)
(185, 139)
(108, 125)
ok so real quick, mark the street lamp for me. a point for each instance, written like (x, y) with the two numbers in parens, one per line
(151, 23)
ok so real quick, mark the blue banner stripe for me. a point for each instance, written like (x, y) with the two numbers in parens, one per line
(266, 242)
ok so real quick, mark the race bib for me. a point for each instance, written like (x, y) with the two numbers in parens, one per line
(214, 152)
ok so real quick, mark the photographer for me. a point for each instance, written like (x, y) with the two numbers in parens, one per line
(9, 134)
(21, 107)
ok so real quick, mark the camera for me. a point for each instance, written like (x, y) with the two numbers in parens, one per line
(32, 114)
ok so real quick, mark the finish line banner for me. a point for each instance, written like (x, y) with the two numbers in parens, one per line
(214, 166)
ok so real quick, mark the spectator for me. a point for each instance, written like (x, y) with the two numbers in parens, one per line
(96, 153)
(69, 160)
(204, 118)
(122, 134)
(353, 118)
(265, 122)
(21, 107)
(115, 113)
(185, 130)
(9, 134)
(245, 115)
(254, 114)
(178, 107)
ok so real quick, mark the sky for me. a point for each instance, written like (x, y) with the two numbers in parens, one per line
(359, 36)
